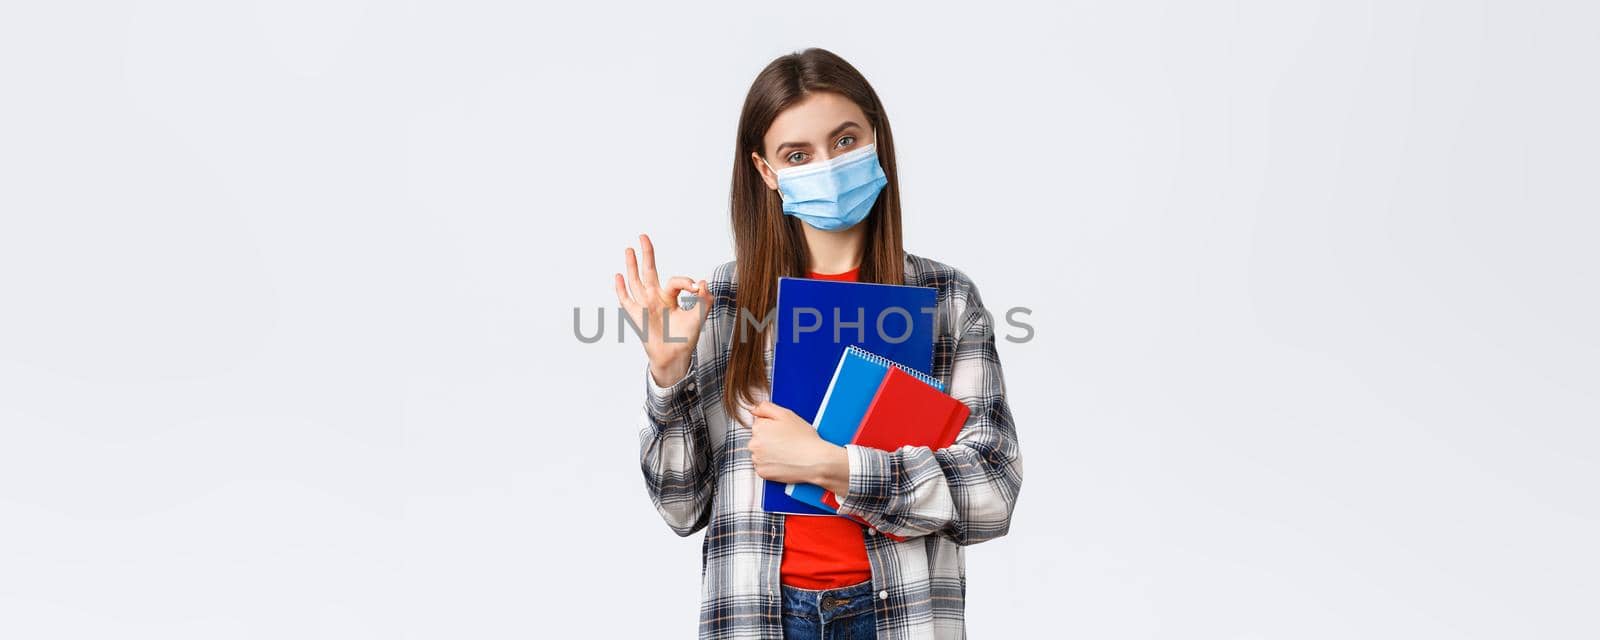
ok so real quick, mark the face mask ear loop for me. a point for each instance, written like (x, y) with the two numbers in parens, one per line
(769, 168)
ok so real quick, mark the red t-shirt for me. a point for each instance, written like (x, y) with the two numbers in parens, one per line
(824, 552)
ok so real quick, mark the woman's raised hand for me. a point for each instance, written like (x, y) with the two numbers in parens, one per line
(647, 302)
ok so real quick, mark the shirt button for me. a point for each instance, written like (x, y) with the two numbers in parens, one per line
(883, 595)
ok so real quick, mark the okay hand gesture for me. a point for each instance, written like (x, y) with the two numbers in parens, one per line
(649, 304)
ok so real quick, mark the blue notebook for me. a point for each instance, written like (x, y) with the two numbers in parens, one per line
(855, 383)
(816, 320)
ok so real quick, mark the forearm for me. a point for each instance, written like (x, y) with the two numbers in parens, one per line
(966, 490)
(675, 454)
(669, 373)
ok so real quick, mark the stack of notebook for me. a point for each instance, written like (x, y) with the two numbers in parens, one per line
(848, 355)
(877, 403)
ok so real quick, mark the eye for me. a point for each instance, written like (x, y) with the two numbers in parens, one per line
(797, 157)
(845, 141)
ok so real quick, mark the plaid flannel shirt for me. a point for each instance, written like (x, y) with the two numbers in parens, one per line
(699, 475)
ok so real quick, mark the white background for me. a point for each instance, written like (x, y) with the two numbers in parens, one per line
(286, 344)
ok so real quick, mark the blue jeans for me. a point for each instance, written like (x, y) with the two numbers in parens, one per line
(843, 613)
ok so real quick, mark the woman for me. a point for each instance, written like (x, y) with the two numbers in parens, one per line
(710, 436)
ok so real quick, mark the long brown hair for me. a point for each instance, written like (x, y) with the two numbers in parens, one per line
(767, 243)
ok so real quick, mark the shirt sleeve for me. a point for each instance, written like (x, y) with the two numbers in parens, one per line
(967, 490)
(675, 451)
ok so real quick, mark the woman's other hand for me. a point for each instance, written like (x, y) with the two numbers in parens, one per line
(786, 448)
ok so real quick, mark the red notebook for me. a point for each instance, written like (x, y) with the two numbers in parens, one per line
(907, 411)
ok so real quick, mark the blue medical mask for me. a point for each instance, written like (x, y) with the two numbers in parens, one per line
(836, 193)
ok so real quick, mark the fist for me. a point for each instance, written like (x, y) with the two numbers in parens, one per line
(786, 448)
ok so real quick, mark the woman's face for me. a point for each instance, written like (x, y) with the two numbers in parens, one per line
(822, 125)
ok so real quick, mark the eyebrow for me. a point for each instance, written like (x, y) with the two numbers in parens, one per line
(836, 131)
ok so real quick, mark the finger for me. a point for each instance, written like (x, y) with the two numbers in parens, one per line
(622, 293)
(778, 411)
(677, 284)
(647, 251)
(631, 267)
(704, 291)
(766, 410)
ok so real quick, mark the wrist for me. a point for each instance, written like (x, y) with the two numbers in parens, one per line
(833, 470)
(666, 376)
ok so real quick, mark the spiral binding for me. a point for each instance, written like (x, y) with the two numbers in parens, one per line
(885, 362)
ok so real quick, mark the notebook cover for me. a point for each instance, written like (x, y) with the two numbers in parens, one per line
(806, 351)
(908, 411)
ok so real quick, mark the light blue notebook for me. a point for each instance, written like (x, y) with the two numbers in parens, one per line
(855, 383)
